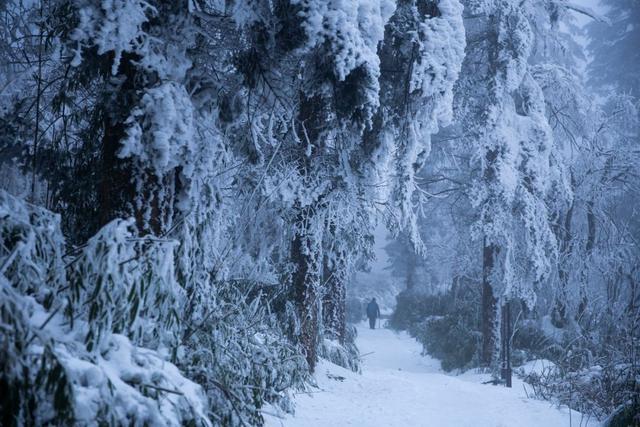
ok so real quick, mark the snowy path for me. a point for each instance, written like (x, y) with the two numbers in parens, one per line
(399, 387)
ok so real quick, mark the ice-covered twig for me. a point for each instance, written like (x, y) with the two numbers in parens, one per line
(585, 11)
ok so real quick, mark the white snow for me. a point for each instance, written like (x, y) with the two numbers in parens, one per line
(399, 387)
(538, 367)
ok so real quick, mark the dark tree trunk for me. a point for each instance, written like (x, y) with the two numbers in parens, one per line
(116, 190)
(305, 287)
(411, 269)
(505, 344)
(115, 182)
(334, 303)
(560, 313)
(150, 199)
(488, 305)
(591, 241)
(306, 279)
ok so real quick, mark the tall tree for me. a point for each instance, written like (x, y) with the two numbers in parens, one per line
(513, 144)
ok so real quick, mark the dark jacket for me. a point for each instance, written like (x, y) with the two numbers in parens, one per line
(373, 310)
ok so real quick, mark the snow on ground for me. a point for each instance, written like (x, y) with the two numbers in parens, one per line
(399, 387)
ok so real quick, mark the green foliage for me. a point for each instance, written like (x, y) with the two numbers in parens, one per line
(531, 342)
(414, 307)
(447, 325)
(238, 352)
(448, 339)
(133, 290)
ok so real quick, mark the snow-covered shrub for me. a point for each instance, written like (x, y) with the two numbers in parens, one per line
(598, 391)
(628, 414)
(448, 326)
(412, 307)
(32, 248)
(445, 324)
(31, 271)
(239, 353)
(133, 287)
(50, 371)
(345, 355)
(34, 385)
(531, 341)
(449, 339)
(595, 372)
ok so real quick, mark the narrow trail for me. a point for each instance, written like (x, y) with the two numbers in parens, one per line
(399, 387)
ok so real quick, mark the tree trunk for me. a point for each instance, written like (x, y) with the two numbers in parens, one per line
(124, 190)
(411, 268)
(306, 248)
(488, 305)
(305, 287)
(589, 245)
(560, 310)
(505, 344)
(334, 303)
(116, 190)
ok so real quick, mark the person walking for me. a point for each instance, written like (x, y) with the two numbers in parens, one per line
(373, 312)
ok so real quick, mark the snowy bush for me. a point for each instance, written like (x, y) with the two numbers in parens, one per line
(412, 307)
(54, 310)
(240, 355)
(594, 370)
(448, 326)
(603, 392)
(448, 339)
(531, 342)
(445, 324)
(345, 355)
(88, 336)
(133, 287)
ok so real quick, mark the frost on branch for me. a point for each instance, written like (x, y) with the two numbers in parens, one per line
(351, 29)
(160, 135)
(441, 43)
(111, 26)
(236, 348)
(348, 33)
(424, 46)
(124, 26)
